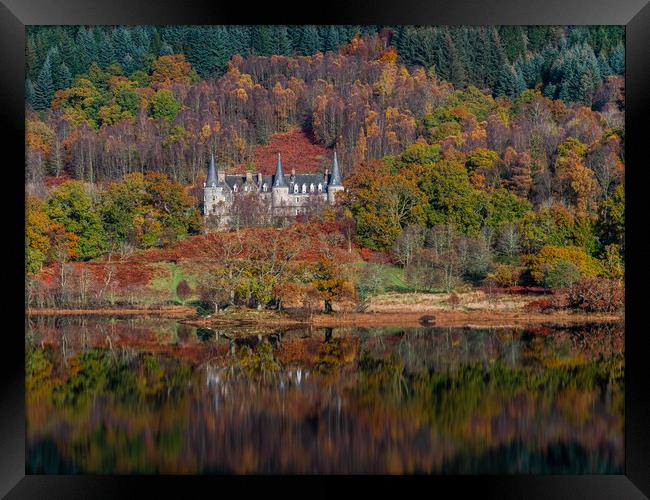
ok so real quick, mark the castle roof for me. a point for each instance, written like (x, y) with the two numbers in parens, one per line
(279, 180)
(212, 173)
(335, 178)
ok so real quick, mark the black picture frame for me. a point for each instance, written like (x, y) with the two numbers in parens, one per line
(634, 14)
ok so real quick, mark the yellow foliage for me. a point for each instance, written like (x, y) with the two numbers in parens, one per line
(551, 255)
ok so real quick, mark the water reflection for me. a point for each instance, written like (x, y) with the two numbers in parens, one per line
(155, 396)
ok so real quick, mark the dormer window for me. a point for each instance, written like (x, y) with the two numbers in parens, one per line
(264, 187)
(311, 187)
(234, 188)
(320, 187)
(295, 188)
(304, 188)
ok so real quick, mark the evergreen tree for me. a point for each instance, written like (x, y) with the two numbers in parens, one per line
(122, 43)
(261, 39)
(29, 92)
(166, 49)
(310, 41)
(331, 41)
(506, 83)
(65, 77)
(603, 66)
(453, 62)
(425, 52)
(239, 39)
(44, 89)
(404, 44)
(281, 41)
(538, 37)
(617, 60)
(512, 38)
(87, 48)
(106, 55)
(496, 59)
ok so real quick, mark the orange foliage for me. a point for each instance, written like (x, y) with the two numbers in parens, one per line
(298, 152)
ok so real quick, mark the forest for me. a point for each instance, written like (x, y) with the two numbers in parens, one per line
(488, 156)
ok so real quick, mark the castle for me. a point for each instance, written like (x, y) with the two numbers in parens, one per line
(278, 195)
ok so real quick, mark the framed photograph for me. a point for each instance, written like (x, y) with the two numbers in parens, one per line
(386, 241)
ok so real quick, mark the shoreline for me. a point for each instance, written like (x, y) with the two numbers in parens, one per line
(171, 311)
(433, 318)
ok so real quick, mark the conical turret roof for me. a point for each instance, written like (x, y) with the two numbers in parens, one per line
(279, 181)
(335, 178)
(212, 173)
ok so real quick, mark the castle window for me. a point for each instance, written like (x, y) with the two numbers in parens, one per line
(304, 188)
(295, 188)
(264, 187)
(320, 187)
(311, 187)
(297, 200)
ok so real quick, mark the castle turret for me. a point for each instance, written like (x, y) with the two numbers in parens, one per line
(212, 174)
(280, 190)
(214, 196)
(334, 185)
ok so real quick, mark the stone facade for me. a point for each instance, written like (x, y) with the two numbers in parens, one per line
(278, 195)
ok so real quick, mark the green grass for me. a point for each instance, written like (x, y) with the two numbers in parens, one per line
(168, 282)
(375, 278)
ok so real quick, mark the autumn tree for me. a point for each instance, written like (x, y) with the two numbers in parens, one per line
(382, 204)
(72, 206)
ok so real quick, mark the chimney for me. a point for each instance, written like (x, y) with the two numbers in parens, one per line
(249, 177)
(259, 178)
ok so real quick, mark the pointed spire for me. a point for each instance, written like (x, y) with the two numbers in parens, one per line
(212, 173)
(279, 181)
(335, 178)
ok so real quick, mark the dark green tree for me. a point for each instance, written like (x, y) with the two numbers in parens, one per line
(44, 89)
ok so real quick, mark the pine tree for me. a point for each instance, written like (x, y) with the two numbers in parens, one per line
(520, 82)
(87, 48)
(44, 89)
(506, 83)
(617, 60)
(538, 37)
(453, 62)
(122, 43)
(478, 57)
(425, 48)
(512, 39)
(166, 49)
(106, 55)
(239, 37)
(496, 59)
(65, 77)
(281, 41)
(331, 41)
(261, 39)
(310, 41)
(29, 92)
(69, 53)
(603, 66)
(31, 63)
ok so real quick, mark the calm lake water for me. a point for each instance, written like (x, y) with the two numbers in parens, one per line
(110, 395)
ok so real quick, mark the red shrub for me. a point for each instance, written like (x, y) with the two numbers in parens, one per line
(596, 295)
(552, 303)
